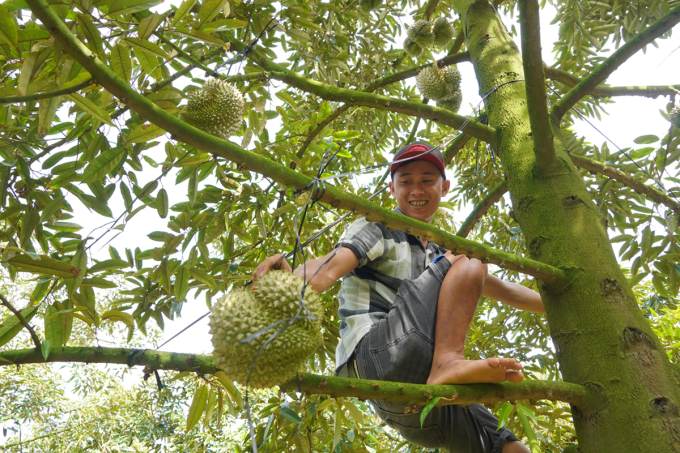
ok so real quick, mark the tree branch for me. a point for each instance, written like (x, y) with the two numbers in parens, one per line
(49, 94)
(607, 92)
(478, 212)
(310, 383)
(600, 74)
(651, 192)
(458, 42)
(430, 8)
(362, 98)
(337, 198)
(454, 148)
(534, 82)
(22, 320)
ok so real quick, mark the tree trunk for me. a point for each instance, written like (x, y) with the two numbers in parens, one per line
(600, 335)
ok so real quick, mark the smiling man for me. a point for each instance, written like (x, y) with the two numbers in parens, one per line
(405, 307)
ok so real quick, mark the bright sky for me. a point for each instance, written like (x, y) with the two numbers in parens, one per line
(630, 117)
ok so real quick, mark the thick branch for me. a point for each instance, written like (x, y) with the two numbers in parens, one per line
(430, 8)
(49, 94)
(600, 74)
(534, 81)
(491, 198)
(607, 92)
(22, 320)
(337, 198)
(651, 192)
(311, 383)
(454, 148)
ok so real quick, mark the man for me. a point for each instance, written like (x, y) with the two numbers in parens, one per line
(405, 308)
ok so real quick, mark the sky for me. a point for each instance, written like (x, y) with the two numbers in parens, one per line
(630, 117)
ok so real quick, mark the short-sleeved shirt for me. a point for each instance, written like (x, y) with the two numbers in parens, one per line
(386, 257)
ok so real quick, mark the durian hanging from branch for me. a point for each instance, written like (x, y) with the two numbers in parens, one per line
(423, 34)
(674, 116)
(244, 313)
(441, 85)
(215, 108)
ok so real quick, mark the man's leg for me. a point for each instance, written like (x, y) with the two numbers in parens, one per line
(458, 298)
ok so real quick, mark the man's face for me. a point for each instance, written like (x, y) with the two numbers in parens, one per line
(418, 188)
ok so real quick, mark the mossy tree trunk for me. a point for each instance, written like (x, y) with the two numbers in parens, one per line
(601, 338)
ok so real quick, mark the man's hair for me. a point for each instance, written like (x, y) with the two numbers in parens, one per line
(418, 151)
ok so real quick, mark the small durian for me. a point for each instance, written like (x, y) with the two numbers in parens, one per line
(215, 108)
(453, 102)
(370, 5)
(412, 48)
(674, 116)
(420, 32)
(452, 78)
(443, 32)
(244, 312)
(432, 84)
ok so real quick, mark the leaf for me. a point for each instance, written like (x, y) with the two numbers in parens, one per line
(26, 73)
(79, 262)
(91, 32)
(90, 107)
(122, 7)
(46, 112)
(346, 135)
(181, 284)
(197, 407)
(8, 29)
(147, 46)
(285, 97)
(114, 315)
(45, 347)
(528, 429)
(504, 414)
(54, 328)
(66, 227)
(115, 263)
(646, 139)
(45, 266)
(210, 9)
(148, 62)
(428, 407)
(337, 428)
(203, 277)
(230, 387)
(210, 409)
(184, 8)
(357, 415)
(11, 325)
(301, 37)
(148, 25)
(103, 164)
(147, 189)
(162, 203)
(98, 282)
(144, 133)
(290, 415)
(32, 34)
(121, 62)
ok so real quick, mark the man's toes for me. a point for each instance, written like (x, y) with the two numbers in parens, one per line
(495, 363)
(514, 376)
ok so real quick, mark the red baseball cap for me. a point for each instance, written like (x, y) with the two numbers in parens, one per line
(418, 151)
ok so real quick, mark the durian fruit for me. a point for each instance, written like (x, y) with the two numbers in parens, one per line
(453, 102)
(215, 108)
(443, 32)
(245, 311)
(412, 48)
(452, 78)
(431, 83)
(420, 33)
(370, 5)
(675, 116)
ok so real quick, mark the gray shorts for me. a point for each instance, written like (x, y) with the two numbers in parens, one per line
(400, 348)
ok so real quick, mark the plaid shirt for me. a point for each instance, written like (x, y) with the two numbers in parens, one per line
(368, 292)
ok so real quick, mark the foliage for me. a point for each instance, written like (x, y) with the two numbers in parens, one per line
(68, 145)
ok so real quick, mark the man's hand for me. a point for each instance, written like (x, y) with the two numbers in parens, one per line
(272, 263)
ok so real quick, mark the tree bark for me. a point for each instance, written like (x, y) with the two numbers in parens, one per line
(601, 338)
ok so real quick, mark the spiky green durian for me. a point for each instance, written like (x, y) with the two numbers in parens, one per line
(412, 48)
(244, 312)
(215, 108)
(675, 116)
(369, 5)
(452, 78)
(453, 102)
(421, 33)
(443, 32)
(432, 84)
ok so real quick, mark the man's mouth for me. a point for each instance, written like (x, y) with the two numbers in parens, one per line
(417, 203)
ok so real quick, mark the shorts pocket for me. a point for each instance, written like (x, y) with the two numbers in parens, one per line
(408, 358)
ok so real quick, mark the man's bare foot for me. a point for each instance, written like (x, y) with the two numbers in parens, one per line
(461, 371)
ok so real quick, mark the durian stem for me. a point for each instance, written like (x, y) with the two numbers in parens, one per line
(337, 198)
(534, 82)
(315, 384)
(458, 42)
(651, 192)
(478, 212)
(49, 94)
(622, 54)
(653, 91)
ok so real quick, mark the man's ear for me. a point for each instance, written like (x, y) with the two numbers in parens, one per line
(445, 187)
(391, 184)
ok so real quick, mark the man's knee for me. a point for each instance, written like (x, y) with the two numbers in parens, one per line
(515, 446)
(471, 267)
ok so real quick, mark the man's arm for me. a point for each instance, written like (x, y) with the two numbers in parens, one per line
(513, 294)
(341, 263)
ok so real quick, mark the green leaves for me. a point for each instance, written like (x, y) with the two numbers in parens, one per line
(91, 108)
(120, 61)
(428, 407)
(147, 47)
(106, 162)
(122, 7)
(290, 415)
(11, 325)
(8, 28)
(162, 203)
(210, 9)
(145, 133)
(44, 266)
(198, 404)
